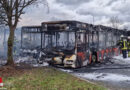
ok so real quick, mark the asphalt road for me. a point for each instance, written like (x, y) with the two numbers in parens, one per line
(113, 74)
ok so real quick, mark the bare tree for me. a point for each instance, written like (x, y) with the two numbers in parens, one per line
(115, 22)
(11, 10)
(1, 17)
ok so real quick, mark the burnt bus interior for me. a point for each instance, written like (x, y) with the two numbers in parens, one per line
(31, 37)
(65, 36)
(65, 40)
(128, 33)
(71, 43)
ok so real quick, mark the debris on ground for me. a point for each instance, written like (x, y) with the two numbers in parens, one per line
(66, 70)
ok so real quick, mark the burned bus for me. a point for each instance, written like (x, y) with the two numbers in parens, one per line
(75, 44)
(128, 33)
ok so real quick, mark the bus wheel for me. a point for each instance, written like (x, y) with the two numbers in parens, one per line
(78, 63)
(94, 59)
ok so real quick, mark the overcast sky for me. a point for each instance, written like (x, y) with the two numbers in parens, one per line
(99, 11)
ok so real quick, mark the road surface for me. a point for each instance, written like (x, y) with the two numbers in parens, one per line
(112, 73)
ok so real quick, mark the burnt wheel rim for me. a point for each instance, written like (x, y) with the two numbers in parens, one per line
(94, 58)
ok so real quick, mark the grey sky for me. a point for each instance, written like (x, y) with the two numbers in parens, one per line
(81, 10)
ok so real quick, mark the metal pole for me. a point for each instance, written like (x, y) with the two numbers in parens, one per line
(67, 38)
(51, 40)
(75, 42)
(44, 40)
(92, 36)
(106, 36)
(98, 38)
(56, 39)
(41, 40)
(88, 38)
(85, 41)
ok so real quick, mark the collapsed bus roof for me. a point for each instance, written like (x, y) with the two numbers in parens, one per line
(62, 22)
(64, 26)
(68, 25)
(31, 29)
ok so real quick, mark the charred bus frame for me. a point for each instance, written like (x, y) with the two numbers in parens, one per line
(99, 42)
(31, 30)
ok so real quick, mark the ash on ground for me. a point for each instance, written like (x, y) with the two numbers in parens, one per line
(25, 56)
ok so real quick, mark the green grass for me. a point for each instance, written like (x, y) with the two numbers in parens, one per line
(47, 79)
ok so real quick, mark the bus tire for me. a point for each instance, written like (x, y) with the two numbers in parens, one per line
(94, 59)
(78, 63)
